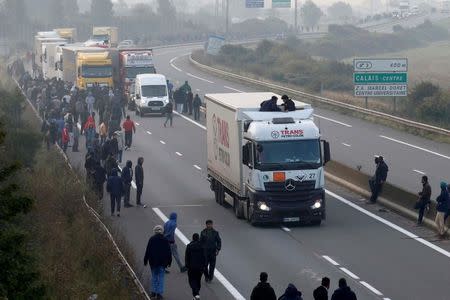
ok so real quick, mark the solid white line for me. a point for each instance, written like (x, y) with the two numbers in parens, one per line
(190, 120)
(330, 260)
(172, 64)
(183, 205)
(416, 147)
(334, 121)
(386, 298)
(231, 289)
(420, 172)
(192, 75)
(197, 167)
(178, 153)
(390, 224)
(137, 123)
(233, 89)
(346, 145)
(374, 290)
(285, 229)
(149, 132)
(349, 273)
(162, 142)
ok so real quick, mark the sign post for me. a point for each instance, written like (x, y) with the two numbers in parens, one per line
(374, 77)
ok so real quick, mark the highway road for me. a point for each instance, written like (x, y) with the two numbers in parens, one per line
(382, 255)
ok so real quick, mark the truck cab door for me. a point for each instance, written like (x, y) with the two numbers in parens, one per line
(247, 160)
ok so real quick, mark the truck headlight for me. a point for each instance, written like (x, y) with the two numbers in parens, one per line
(317, 204)
(263, 206)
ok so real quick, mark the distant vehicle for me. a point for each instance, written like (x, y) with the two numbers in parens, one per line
(41, 39)
(110, 35)
(270, 164)
(50, 58)
(151, 94)
(126, 44)
(70, 34)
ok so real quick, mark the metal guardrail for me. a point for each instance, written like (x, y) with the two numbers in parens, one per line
(351, 107)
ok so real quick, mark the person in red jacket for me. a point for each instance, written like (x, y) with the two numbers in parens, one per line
(129, 128)
(65, 138)
(90, 121)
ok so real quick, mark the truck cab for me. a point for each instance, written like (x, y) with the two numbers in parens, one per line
(94, 68)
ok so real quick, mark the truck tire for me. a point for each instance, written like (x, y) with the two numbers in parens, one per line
(237, 207)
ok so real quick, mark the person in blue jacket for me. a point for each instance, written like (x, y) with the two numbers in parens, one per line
(270, 105)
(114, 187)
(169, 233)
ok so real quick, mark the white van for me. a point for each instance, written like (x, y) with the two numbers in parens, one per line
(151, 94)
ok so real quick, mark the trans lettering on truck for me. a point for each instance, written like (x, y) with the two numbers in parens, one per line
(287, 133)
(221, 140)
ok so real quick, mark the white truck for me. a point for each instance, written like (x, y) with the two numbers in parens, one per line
(270, 164)
(50, 59)
(40, 39)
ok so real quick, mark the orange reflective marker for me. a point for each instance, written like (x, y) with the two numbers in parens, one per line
(279, 176)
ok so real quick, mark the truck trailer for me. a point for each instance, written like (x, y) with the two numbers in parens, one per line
(110, 35)
(39, 40)
(70, 34)
(133, 62)
(270, 164)
(50, 58)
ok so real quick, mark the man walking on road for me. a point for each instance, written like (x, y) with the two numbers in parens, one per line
(424, 199)
(99, 179)
(168, 110)
(197, 103)
(343, 292)
(263, 290)
(169, 233)
(114, 187)
(212, 244)
(127, 178)
(158, 256)
(321, 293)
(377, 181)
(129, 129)
(195, 262)
(139, 175)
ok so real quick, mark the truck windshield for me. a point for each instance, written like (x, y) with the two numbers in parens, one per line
(149, 91)
(132, 72)
(288, 155)
(96, 71)
(101, 37)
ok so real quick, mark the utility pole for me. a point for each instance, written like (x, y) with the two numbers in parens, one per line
(227, 17)
(296, 16)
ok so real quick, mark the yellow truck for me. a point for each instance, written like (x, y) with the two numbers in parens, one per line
(69, 34)
(87, 66)
(109, 35)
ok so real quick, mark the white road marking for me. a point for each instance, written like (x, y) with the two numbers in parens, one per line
(233, 89)
(420, 172)
(162, 142)
(349, 273)
(149, 132)
(332, 120)
(178, 153)
(390, 224)
(231, 289)
(190, 120)
(371, 288)
(346, 145)
(416, 147)
(172, 64)
(183, 205)
(133, 184)
(330, 260)
(386, 298)
(285, 229)
(206, 80)
(137, 123)
(197, 167)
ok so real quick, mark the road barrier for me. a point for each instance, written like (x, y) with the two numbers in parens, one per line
(313, 98)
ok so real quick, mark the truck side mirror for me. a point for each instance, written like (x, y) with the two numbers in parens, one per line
(326, 152)
(245, 156)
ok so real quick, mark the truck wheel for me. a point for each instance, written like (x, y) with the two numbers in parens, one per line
(237, 207)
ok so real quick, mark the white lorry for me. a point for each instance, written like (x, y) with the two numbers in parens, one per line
(269, 163)
(50, 59)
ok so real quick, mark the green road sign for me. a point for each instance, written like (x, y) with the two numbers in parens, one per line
(380, 78)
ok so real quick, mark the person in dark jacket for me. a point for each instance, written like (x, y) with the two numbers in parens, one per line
(343, 292)
(127, 178)
(448, 210)
(441, 209)
(424, 199)
(189, 101)
(114, 187)
(263, 290)
(139, 175)
(168, 110)
(288, 104)
(158, 256)
(212, 244)
(321, 293)
(377, 181)
(195, 262)
(270, 105)
(99, 179)
(291, 293)
(196, 104)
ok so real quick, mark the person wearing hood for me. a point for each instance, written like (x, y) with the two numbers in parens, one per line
(195, 262)
(127, 178)
(169, 233)
(343, 292)
(139, 175)
(90, 101)
(291, 293)
(441, 209)
(263, 290)
(115, 188)
(158, 256)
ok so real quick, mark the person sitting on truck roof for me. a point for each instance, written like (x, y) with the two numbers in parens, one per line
(270, 105)
(288, 104)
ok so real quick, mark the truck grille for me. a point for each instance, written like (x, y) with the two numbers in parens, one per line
(155, 103)
(281, 186)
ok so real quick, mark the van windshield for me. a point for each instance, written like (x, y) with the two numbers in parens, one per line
(149, 91)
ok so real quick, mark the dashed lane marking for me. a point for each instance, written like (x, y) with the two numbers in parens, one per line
(190, 120)
(137, 123)
(162, 142)
(330, 260)
(346, 145)
(203, 79)
(420, 172)
(148, 132)
(371, 288)
(217, 274)
(349, 273)
(197, 167)
(233, 89)
(179, 154)
(285, 229)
